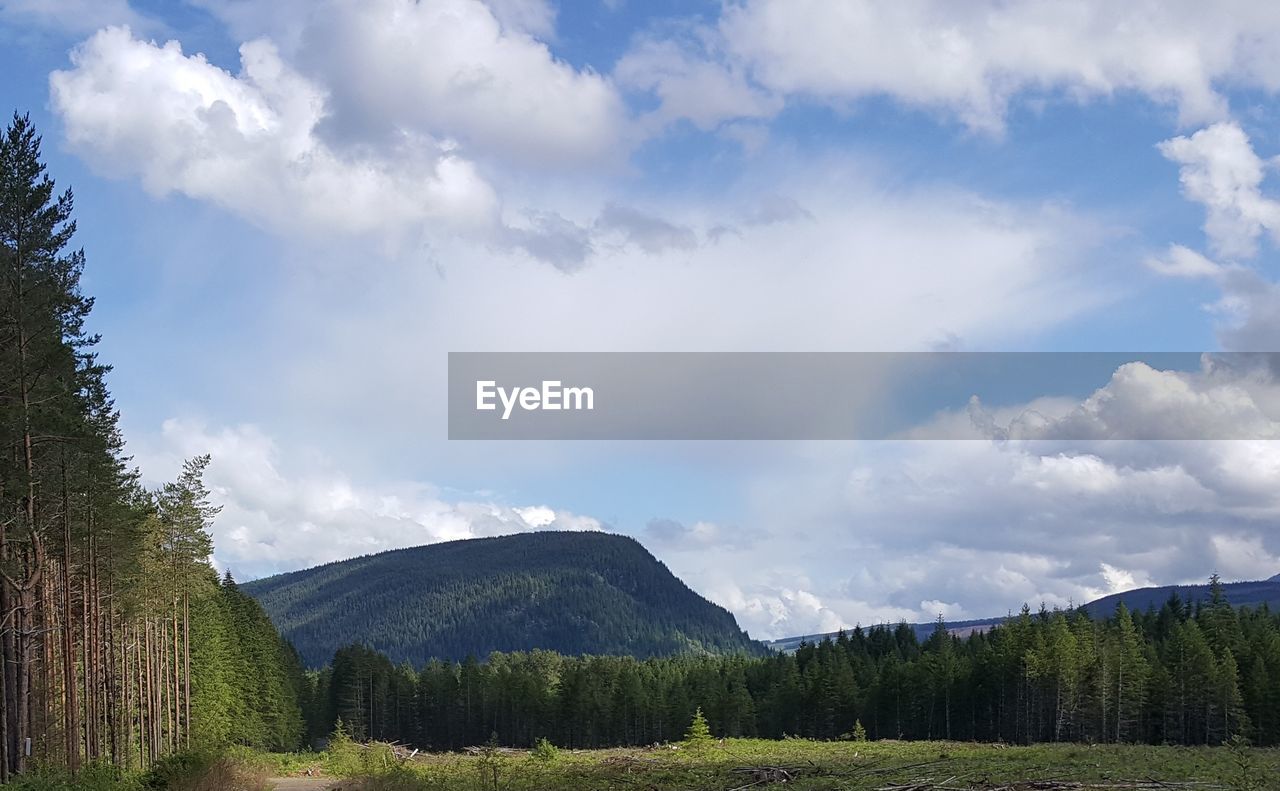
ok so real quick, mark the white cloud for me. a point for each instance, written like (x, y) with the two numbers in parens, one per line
(248, 143)
(1220, 170)
(768, 613)
(692, 86)
(1179, 261)
(970, 60)
(463, 70)
(990, 527)
(300, 141)
(879, 531)
(1247, 556)
(1221, 401)
(1119, 580)
(273, 520)
(395, 121)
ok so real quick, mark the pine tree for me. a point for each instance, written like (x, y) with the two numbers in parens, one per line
(112, 625)
(699, 733)
(1129, 674)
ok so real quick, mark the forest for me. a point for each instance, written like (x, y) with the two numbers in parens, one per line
(1185, 674)
(120, 643)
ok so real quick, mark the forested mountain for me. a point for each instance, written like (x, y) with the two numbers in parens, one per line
(117, 641)
(576, 593)
(1182, 674)
(1238, 594)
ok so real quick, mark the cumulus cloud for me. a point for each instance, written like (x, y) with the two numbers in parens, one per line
(1060, 516)
(967, 61)
(1142, 402)
(471, 71)
(1220, 170)
(248, 142)
(454, 69)
(297, 140)
(991, 526)
(395, 120)
(768, 612)
(273, 520)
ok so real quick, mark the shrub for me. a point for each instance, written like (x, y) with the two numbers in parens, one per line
(545, 751)
(176, 768)
(195, 771)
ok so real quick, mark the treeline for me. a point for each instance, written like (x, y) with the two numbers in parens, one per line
(1185, 674)
(117, 640)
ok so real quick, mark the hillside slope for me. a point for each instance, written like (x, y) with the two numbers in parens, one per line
(1239, 594)
(576, 593)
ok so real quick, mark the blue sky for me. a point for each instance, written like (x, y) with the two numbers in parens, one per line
(294, 211)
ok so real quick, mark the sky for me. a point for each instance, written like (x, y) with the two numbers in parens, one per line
(293, 210)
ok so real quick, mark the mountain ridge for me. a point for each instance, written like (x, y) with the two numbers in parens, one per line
(572, 592)
(1247, 593)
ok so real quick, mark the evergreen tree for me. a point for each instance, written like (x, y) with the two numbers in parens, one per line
(699, 732)
(116, 643)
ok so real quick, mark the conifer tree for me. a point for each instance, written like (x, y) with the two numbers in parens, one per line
(699, 732)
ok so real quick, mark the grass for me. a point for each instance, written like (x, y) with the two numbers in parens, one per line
(743, 764)
(194, 771)
(800, 764)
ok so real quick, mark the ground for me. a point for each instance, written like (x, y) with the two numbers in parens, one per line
(300, 783)
(798, 764)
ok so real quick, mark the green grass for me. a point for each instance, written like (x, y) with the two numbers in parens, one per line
(759, 764)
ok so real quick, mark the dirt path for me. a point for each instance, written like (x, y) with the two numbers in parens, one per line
(301, 783)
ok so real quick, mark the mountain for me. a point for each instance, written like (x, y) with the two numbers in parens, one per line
(922, 630)
(1239, 594)
(575, 593)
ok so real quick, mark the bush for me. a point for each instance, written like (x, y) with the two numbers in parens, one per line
(545, 751)
(196, 771)
(176, 768)
(342, 755)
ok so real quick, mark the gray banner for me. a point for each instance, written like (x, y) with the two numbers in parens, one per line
(815, 395)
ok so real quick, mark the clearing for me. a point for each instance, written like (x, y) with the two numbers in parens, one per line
(799, 764)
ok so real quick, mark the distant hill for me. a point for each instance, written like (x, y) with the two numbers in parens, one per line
(1239, 594)
(922, 630)
(576, 593)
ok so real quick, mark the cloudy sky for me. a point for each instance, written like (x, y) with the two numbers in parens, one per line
(293, 210)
